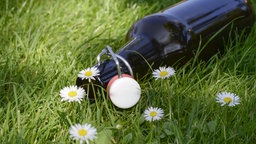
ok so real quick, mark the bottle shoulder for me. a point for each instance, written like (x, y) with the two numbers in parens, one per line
(160, 27)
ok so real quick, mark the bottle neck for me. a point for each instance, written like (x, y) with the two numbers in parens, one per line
(137, 53)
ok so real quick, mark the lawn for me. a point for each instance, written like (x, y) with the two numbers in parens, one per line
(45, 44)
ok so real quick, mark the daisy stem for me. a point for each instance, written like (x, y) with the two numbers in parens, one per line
(94, 94)
(149, 101)
(151, 132)
(148, 96)
(225, 116)
(224, 121)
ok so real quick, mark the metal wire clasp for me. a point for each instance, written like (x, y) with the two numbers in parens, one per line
(109, 52)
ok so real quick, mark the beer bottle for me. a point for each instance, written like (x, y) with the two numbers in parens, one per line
(173, 36)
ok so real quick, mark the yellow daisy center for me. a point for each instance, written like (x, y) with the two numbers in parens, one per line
(72, 93)
(88, 73)
(153, 113)
(227, 99)
(163, 73)
(82, 132)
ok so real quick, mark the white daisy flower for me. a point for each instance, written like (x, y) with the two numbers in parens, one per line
(72, 93)
(152, 114)
(163, 72)
(89, 73)
(83, 133)
(228, 98)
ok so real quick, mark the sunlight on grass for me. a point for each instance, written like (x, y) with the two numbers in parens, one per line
(45, 44)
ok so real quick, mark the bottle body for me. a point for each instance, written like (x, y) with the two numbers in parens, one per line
(184, 27)
(173, 36)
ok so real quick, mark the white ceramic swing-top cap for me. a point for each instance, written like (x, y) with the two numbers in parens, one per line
(124, 92)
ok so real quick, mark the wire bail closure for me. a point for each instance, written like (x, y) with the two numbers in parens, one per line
(109, 52)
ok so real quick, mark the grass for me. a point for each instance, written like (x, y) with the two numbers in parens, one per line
(44, 44)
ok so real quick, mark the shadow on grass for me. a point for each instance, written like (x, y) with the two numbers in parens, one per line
(157, 5)
(162, 2)
(8, 5)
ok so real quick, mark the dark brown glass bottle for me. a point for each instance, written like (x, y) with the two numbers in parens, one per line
(174, 35)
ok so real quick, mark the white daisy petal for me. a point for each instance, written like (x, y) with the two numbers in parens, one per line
(72, 93)
(163, 72)
(152, 114)
(228, 98)
(84, 132)
(89, 73)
